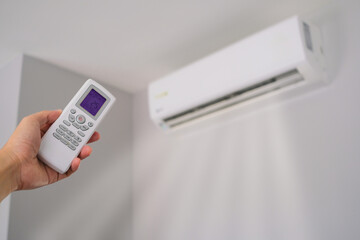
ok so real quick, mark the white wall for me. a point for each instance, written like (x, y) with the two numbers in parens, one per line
(10, 77)
(290, 171)
(95, 203)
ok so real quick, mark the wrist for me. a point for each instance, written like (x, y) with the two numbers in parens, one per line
(9, 172)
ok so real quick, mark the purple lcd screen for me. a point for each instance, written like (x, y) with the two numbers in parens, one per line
(93, 102)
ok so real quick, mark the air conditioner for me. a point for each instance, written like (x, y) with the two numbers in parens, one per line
(282, 60)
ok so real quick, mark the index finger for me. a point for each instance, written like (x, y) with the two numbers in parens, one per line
(95, 137)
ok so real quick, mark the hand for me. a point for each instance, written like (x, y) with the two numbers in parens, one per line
(23, 146)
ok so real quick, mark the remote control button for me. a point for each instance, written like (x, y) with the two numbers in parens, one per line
(90, 124)
(64, 141)
(63, 127)
(71, 147)
(76, 125)
(71, 118)
(84, 127)
(81, 133)
(67, 137)
(77, 139)
(73, 111)
(59, 131)
(56, 135)
(70, 133)
(75, 143)
(66, 123)
(80, 119)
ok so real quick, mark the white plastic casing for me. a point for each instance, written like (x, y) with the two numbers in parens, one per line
(271, 52)
(55, 153)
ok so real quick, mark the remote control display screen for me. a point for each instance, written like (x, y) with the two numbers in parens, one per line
(93, 102)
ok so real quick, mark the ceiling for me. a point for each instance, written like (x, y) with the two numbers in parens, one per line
(131, 43)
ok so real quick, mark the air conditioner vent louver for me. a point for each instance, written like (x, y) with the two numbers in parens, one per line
(234, 98)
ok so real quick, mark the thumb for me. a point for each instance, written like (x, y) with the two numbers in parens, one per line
(45, 117)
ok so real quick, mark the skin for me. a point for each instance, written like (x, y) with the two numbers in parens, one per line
(20, 169)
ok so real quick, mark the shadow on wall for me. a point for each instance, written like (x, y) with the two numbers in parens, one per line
(98, 197)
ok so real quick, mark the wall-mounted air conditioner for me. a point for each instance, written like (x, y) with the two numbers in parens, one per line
(285, 58)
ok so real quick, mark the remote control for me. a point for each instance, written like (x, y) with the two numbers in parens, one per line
(76, 124)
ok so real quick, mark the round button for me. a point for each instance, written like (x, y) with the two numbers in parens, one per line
(73, 111)
(80, 119)
(90, 124)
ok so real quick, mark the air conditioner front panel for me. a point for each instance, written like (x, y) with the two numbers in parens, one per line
(259, 57)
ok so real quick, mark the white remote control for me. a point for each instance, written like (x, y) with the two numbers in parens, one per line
(76, 124)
